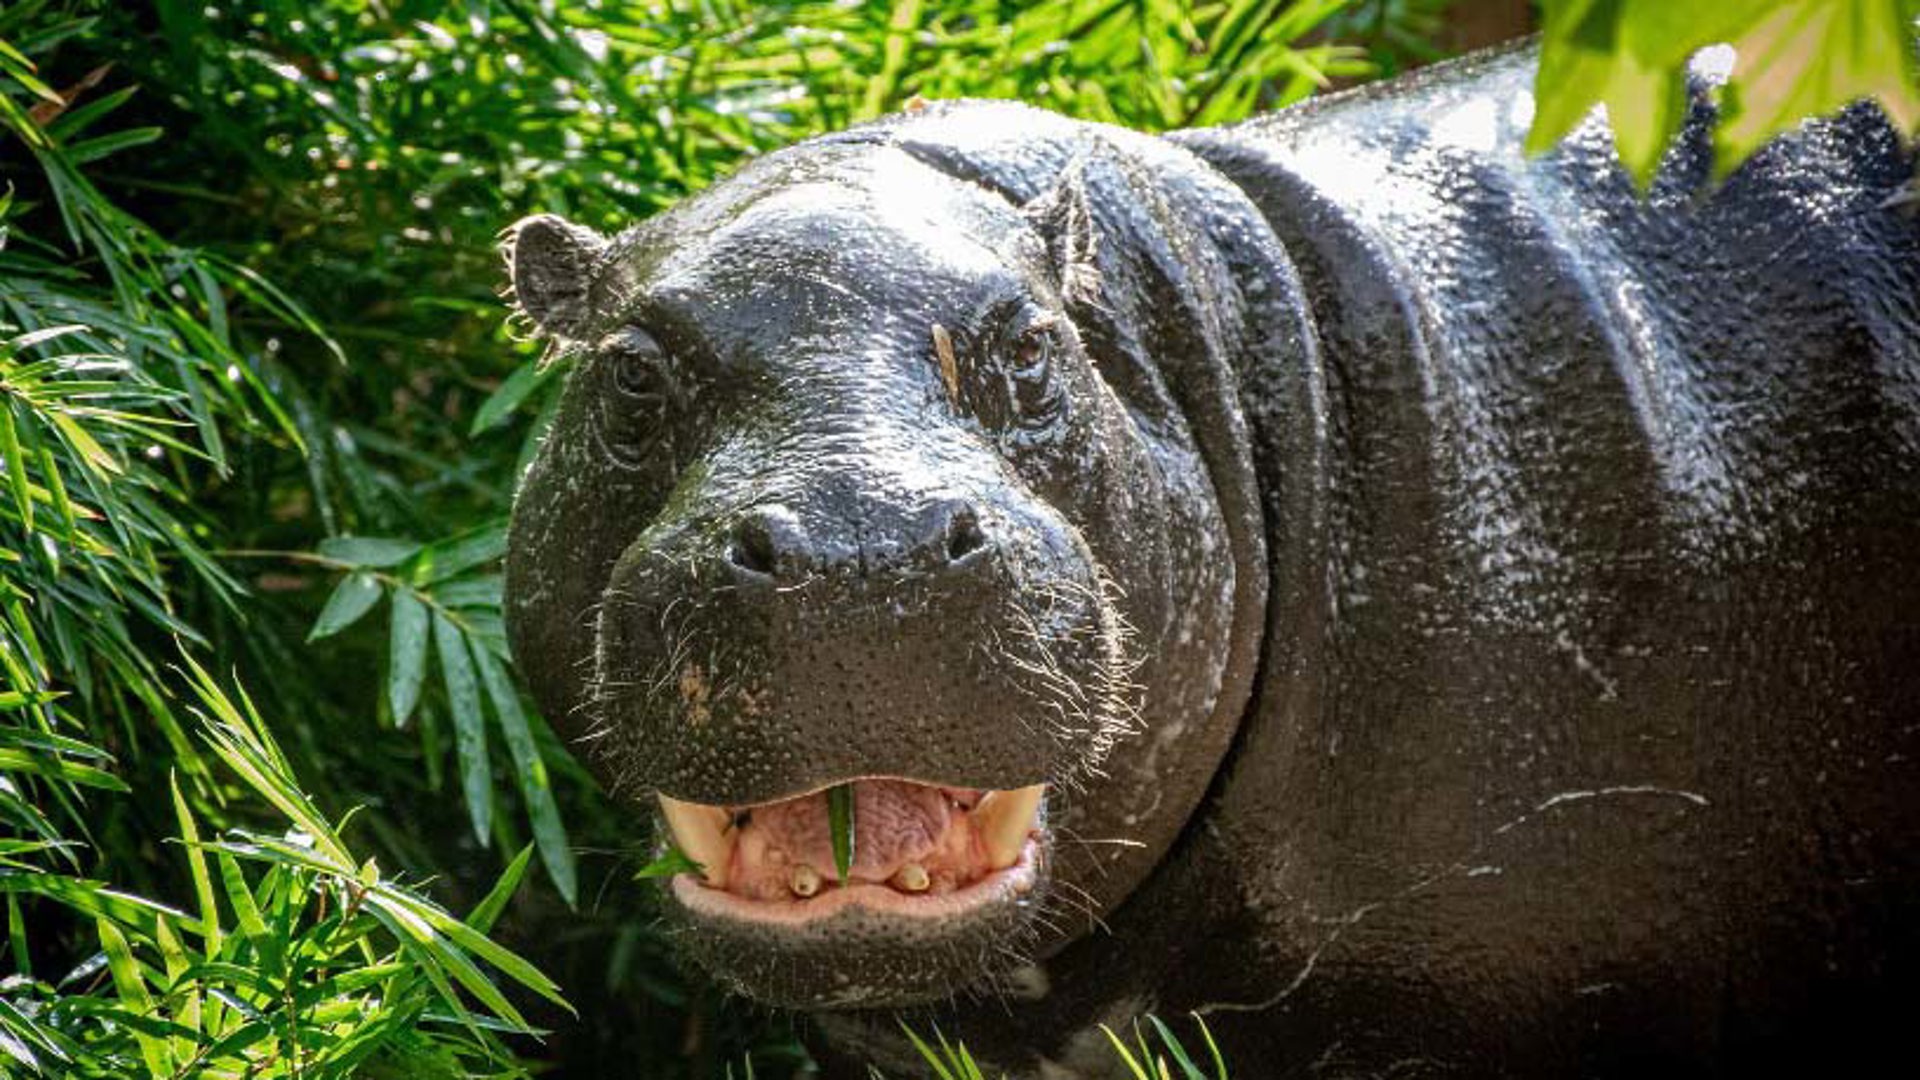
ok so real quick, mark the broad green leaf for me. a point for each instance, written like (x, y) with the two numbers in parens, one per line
(1645, 108)
(353, 597)
(1809, 58)
(535, 789)
(406, 654)
(372, 552)
(469, 726)
(1796, 59)
(1662, 33)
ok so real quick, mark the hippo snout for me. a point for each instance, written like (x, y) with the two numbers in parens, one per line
(769, 546)
(845, 629)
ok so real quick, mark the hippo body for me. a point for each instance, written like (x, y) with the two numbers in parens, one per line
(1558, 715)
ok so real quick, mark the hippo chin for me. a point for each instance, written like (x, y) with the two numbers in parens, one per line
(1422, 608)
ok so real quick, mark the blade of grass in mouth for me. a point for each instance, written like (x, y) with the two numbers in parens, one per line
(672, 861)
(840, 821)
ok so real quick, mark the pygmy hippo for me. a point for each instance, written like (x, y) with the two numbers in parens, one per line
(1426, 610)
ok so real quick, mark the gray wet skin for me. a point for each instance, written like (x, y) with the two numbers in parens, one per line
(1521, 579)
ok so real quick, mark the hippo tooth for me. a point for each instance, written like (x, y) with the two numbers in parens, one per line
(912, 878)
(703, 834)
(1003, 819)
(805, 881)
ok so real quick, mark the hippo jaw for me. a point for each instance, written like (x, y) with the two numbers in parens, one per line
(935, 869)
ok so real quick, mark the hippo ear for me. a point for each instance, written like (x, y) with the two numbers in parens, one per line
(1063, 216)
(551, 261)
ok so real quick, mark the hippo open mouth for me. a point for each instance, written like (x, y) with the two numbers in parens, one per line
(919, 851)
(934, 869)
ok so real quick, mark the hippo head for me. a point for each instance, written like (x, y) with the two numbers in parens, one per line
(906, 459)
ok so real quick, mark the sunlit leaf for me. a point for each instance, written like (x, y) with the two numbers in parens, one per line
(1809, 58)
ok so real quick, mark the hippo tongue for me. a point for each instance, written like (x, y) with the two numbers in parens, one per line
(897, 825)
(895, 822)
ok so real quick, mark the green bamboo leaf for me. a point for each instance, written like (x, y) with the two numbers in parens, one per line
(471, 940)
(469, 726)
(448, 958)
(353, 597)
(549, 833)
(57, 493)
(1188, 1070)
(513, 390)
(246, 912)
(17, 937)
(77, 119)
(84, 444)
(91, 150)
(458, 554)
(927, 1053)
(671, 861)
(173, 960)
(1126, 1056)
(132, 988)
(197, 869)
(53, 768)
(371, 552)
(16, 465)
(487, 911)
(1213, 1048)
(406, 654)
(840, 822)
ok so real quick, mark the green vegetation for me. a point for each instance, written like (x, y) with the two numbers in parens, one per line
(1795, 59)
(260, 416)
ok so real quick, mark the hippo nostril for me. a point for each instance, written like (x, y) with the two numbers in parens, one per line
(752, 548)
(964, 536)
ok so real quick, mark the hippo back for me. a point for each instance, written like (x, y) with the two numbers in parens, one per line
(1610, 754)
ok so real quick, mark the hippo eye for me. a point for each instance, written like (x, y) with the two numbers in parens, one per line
(1030, 376)
(633, 425)
(639, 363)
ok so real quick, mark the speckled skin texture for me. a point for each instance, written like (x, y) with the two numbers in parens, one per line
(1582, 736)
